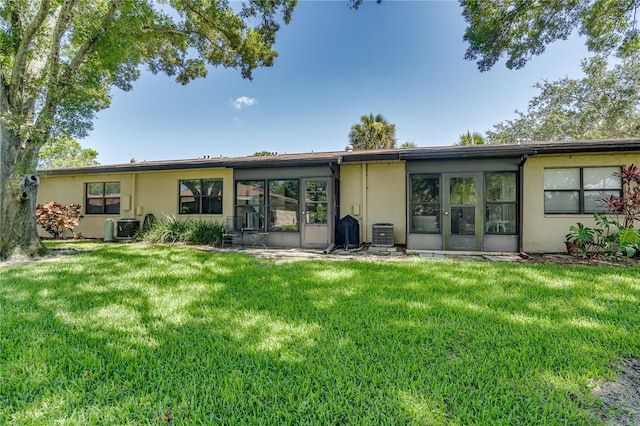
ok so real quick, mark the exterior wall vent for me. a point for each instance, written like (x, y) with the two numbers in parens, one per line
(382, 234)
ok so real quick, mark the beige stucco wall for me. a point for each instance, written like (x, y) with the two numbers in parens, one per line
(375, 193)
(141, 193)
(546, 233)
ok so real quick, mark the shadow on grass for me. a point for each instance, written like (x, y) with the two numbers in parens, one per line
(127, 334)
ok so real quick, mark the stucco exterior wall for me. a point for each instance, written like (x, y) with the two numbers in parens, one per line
(545, 233)
(375, 193)
(140, 193)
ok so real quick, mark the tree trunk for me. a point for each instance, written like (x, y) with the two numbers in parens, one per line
(18, 188)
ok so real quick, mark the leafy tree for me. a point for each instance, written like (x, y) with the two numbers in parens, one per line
(373, 132)
(264, 154)
(409, 145)
(65, 152)
(605, 103)
(521, 29)
(59, 60)
(469, 138)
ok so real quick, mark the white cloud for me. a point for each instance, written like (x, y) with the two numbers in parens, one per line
(243, 101)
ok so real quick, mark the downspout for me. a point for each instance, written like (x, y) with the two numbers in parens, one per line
(333, 217)
(365, 211)
(133, 195)
(520, 204)
(329, 249)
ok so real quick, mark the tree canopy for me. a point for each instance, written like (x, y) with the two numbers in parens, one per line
(372, 132)
(521, 29)
(65, 152)
(605, 103)
(469, 138)
(60, 59)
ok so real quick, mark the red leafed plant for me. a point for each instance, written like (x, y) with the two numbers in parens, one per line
(56, 218)
(628, 205)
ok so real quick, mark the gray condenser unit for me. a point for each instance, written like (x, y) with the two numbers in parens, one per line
(127, 228)
(382, 234)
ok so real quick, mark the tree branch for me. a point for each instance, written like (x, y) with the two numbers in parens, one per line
(54, 54)
(87, 46)
(57, 85)
(20, 63)
(190, 6)
(187, 33)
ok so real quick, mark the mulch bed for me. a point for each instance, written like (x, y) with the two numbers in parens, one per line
(591, 260)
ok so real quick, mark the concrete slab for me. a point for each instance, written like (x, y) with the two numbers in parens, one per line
(503, 258)
(379, 249)
(432, 256)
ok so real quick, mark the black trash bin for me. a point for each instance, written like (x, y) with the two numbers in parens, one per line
(348, 232)
(127, 228)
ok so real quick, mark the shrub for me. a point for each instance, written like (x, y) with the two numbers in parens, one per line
(204, 232)
(584, 237)
(55, 218)
(172, 230)
(626, 241)
(627, 205)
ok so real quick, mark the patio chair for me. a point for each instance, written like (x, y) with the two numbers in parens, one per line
(231, 233)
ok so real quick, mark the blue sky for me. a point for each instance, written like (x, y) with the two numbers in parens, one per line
(401, 59)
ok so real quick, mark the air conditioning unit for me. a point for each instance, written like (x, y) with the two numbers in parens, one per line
(382, 234)
(127, 228)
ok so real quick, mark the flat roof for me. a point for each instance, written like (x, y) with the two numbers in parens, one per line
(338, 157)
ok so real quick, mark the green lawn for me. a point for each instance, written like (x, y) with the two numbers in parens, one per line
(139, 334)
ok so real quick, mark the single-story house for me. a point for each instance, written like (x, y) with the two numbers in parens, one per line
(492, 198)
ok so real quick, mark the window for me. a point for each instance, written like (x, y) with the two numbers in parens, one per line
(501, 203)
(579, 190)
(200, 196)
(102, 198)
(278, 200)
(425, 203)
(283, 205)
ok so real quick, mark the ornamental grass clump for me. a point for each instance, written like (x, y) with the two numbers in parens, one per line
(174, 230)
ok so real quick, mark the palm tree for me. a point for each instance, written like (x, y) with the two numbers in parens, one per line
(373, 132)
(409, 145)
(469, 138)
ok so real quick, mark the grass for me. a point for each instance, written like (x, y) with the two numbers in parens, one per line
(142, 334)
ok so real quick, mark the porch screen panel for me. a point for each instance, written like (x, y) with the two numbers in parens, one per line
(316, 202)
(283, 205)
(250, 204)
(501, 203)
(462, 199)
(425, 203)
